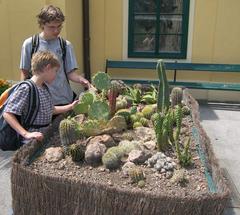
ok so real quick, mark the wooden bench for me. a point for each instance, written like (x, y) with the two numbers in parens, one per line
(181, 67)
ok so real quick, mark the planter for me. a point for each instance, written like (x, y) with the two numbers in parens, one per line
(37, 193)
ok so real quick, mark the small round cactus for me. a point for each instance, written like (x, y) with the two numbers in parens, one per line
(176, 96)
(136, 175)
(77, 152)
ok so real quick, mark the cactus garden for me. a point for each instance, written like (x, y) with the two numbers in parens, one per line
(137, 139)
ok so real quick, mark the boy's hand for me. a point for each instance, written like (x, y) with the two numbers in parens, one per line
(33, 135)
(74, 104)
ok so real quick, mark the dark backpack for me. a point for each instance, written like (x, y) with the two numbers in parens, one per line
(9, 138)
(63, 45)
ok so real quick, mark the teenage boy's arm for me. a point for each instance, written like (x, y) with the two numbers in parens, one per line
(73, 76)
(64, 108)
(13, 122)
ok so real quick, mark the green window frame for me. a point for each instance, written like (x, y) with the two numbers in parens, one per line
(158, 28)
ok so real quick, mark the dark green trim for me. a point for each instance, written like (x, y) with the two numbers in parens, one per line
(190, 85)
(174, 66)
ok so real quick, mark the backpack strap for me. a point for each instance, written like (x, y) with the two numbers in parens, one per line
(35, 44)
(33, 104)
(63, 45)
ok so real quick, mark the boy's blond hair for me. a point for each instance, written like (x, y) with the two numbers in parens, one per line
(41, 59)
(50, 13)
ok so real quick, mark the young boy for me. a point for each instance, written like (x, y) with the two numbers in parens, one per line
(44, 66)
(50, 21)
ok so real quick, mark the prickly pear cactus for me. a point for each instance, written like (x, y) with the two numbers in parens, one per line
(163, 88)
(69, 133)
(77, 152)
(176, 96)
(85, 101)
(101, 81)
(99, 110)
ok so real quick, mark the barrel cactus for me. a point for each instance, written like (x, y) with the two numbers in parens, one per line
(136, 174)
(69, 133)
(77, 152)
(176, 96)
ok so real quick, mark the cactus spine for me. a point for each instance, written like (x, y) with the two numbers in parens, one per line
(163, 88)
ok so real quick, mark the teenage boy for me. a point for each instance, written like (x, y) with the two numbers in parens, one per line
(44, 67)
(50, 21)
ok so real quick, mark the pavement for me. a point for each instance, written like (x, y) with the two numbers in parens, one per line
(220, 121)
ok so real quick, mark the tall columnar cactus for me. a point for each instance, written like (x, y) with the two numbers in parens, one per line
(163, 88)
(112, 96)
(163, 126)
(176, 96)
(179, 116)
(69, 133)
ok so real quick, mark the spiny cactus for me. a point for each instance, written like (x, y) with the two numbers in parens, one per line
(163, 88)
(101, 81)
(121, 103)
(111, 161)
(77, 152)
(125, 113)
(99, 110)
(178, 116)
(112, 96)
(92, 127)
(176, 96)
(112, 158)
(136, 175)
(137, 124)
(186, 110)
(69, 132)
(184, 156)
(85, 101)
(148, 111)
(163, 126)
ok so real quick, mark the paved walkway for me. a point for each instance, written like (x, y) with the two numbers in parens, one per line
(222, 124)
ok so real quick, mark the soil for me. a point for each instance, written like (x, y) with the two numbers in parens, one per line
(155, 181)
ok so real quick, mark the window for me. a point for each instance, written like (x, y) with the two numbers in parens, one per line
(158, 28)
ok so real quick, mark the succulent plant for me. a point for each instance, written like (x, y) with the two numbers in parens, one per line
(163, 88)
(99, 110)
(112, 96)
(110, 160)
(144, 121)
(184, 156)
(137, 124)
(92, 127)
(77, 152)
(69, 132)
(148, 111)
(176, 96)
(186, 110)
(178, 116)
(136, 174)
(125, 113)
(101, 81)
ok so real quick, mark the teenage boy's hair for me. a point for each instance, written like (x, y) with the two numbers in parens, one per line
(41, 59)
(50, 13)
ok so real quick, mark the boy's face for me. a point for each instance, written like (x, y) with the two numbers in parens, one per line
(52, 29)
(49, 73)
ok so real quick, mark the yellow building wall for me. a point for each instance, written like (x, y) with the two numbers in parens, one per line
(215, 35)
(18, 21)
(215, 39)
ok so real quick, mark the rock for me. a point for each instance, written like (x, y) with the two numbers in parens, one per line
(126, 167)
(54, 154)
(105, 139)
(94, 153)
(137, 156)
(145, 134)
(150, 145)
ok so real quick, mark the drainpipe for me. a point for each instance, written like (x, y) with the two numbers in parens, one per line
(86, 40)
